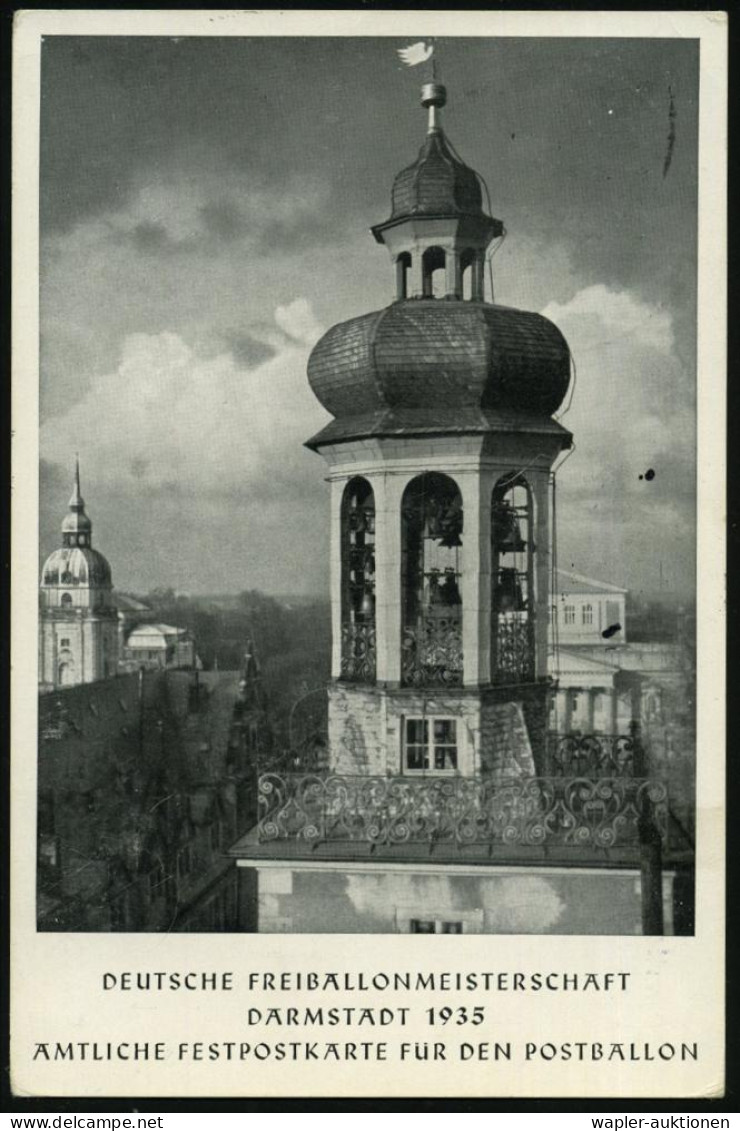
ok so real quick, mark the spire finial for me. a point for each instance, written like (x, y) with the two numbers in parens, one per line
(434, 97)
(77, 503)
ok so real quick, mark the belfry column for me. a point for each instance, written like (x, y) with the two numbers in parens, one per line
(388, 495)
(453, 272)
(475, 488)
(540, 481)
(335, 575)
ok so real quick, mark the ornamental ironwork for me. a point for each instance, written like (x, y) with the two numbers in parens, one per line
(358, 661)
(432, 652)
(579, 812)
(591, 754)
(513, 650)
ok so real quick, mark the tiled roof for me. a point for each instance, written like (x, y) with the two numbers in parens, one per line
(432, 421)
(128, 604)
(456, 362)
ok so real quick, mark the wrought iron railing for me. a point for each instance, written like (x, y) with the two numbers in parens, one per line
(592, 755)
(513, 650)
(596, 813)
(432, 653)
(358, 652)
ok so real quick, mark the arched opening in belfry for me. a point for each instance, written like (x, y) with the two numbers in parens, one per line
(434, 273)
(357, 539)
(66, 600)
(467, 270)
(431, 572)
(512, 581)
(403, 266)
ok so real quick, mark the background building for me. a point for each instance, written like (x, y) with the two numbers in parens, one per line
(160, 646)
(78, 620)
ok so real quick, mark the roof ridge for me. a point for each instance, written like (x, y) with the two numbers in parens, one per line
(596, 582)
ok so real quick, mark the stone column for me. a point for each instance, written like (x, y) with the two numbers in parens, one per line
(475, 488)
(590, 693)
(477, 282)
(453, 273)
(415, 274)
(389, 490)
(568, 710)
(335, 574)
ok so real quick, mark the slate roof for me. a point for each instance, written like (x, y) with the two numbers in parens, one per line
(437, 183)
(431, 364)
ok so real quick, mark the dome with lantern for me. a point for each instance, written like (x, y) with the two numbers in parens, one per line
(75, 563)
(439, 362)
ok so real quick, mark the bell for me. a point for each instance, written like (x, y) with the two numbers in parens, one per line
(435, 592)
(509, 598)
(507, 538)
(449, 592)
(367, 605)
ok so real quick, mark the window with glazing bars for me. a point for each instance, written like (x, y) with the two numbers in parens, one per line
(430, 744)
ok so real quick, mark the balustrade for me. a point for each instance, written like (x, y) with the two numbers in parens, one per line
(599, 755)
(571, 811)
(359, 655)
(432, 652)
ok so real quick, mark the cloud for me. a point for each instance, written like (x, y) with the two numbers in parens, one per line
(169, 419)
(632, 410)
(248, 350)
(298, 322)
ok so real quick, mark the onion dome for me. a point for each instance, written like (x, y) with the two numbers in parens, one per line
(425, 365)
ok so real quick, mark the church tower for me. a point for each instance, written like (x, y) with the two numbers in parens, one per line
(440, 456)
(78, 632)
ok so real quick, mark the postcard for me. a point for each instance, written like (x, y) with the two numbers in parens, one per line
(368, 403)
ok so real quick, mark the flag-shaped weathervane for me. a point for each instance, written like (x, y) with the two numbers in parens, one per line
(416, 53)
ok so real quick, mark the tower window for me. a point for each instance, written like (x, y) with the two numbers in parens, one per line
(433, 273)
(570, 614)
(472, 276)
(357, 519)
(430, 744)
(66, 599)
(64, 642)
(403, 266)
(435, 927)
(432, 525)
(512, 581)
(587, 614)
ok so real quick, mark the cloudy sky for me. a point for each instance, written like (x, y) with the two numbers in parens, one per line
(205, 213)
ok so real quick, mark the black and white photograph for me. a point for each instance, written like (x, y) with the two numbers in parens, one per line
(368, 400)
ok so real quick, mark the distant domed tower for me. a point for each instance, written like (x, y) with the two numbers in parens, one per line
(78, 632)
(440, 456)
